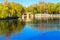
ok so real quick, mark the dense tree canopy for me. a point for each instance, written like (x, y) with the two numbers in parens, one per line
(45, 7)
(16, 9)
(12, 9)
(3, 11)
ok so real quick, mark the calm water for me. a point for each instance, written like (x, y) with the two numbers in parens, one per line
(48, 29)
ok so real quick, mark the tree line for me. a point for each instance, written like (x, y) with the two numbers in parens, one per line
(50, 8)
(16, 9)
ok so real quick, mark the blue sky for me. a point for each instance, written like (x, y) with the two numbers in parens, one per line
(29, 2)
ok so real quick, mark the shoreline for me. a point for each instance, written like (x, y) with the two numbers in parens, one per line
(37, 16)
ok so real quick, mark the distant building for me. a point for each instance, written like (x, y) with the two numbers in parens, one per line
(27, 16)
(42, 16)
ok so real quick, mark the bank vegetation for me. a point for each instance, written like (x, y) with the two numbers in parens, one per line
(16, 10)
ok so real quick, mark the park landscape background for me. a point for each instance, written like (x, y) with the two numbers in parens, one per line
(46, 28)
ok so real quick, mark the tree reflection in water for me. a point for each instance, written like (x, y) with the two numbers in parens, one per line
(46, 23)
(11, 26)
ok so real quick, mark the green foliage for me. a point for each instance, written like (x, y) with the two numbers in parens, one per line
(51, 8)
(16, 9)
(45, 7)
(58, 7)
(38, 8)
(3, 11)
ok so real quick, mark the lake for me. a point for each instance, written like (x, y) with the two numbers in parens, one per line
(44, 29)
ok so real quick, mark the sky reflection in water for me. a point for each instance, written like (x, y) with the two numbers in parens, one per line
(34, 34)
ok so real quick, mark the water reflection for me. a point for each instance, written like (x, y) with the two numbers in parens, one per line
(10, 27)
(27, 30)
(46, 24)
